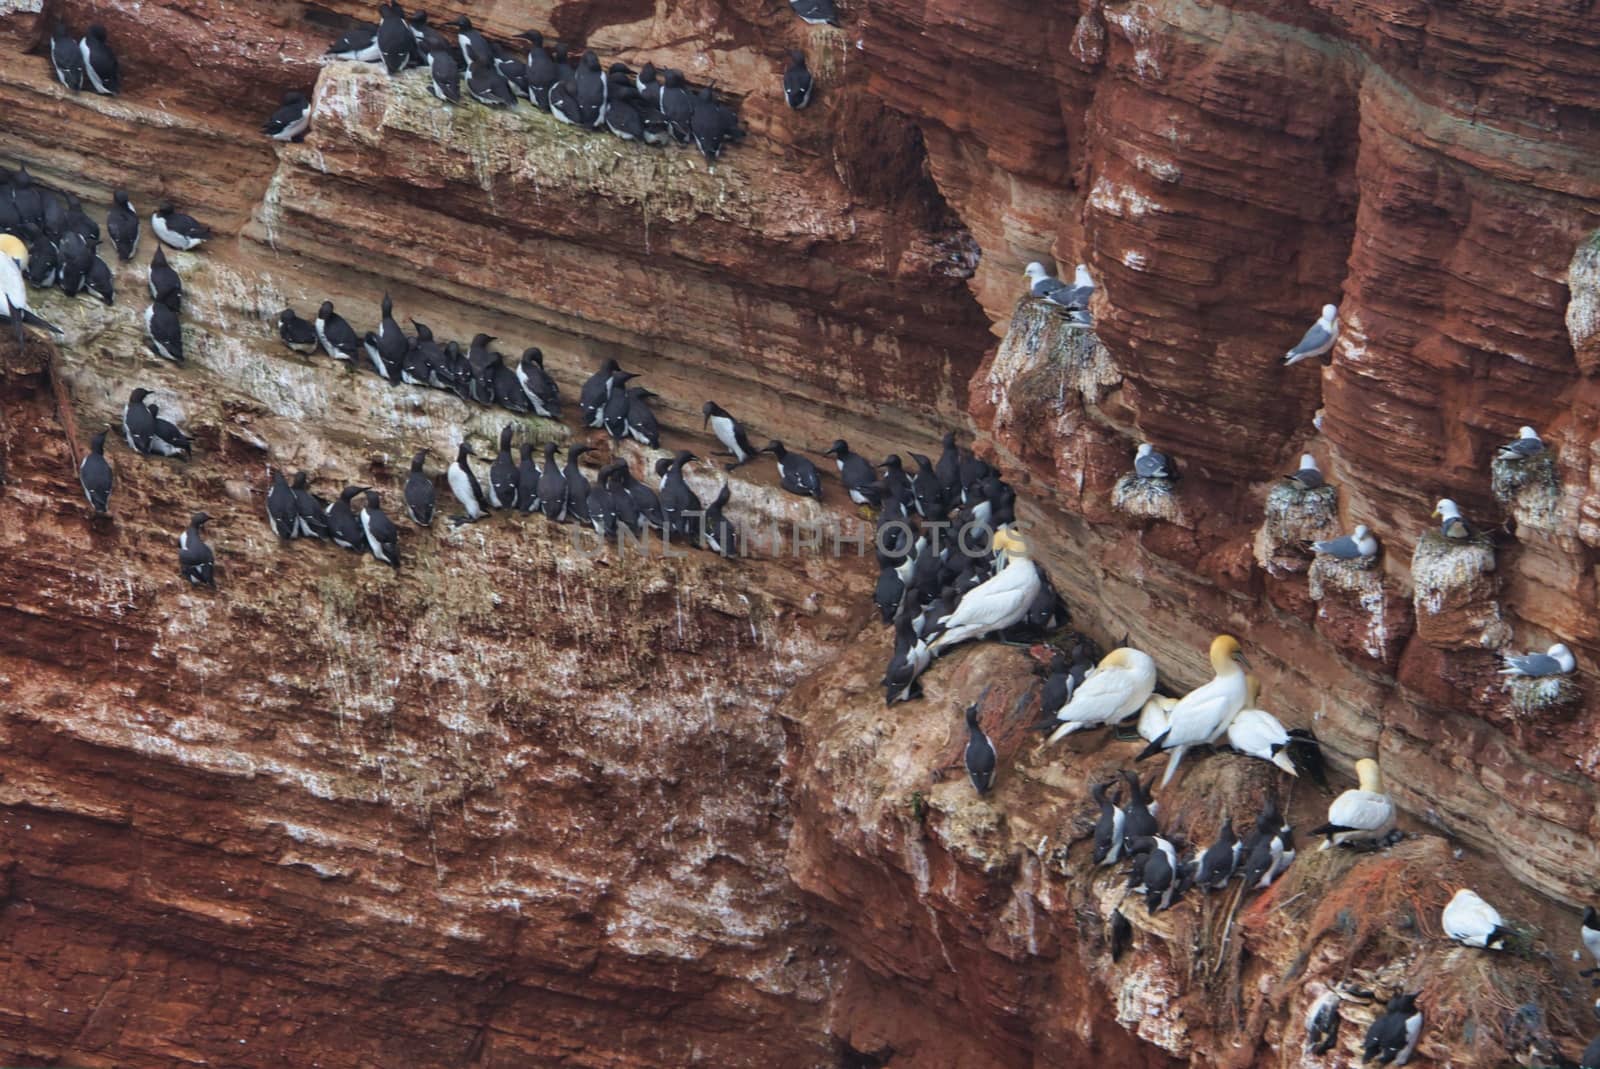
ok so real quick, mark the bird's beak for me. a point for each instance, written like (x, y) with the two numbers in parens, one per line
(1437, 513)
(1242, 659)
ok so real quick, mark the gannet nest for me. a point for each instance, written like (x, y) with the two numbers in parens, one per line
(1548, 694)
(1529, 488)
(1146, 499)
(1293, 518)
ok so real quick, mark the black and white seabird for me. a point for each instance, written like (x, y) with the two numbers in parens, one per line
(563, 100)
(816, 12)
(645, 501)
(1139, 818)
(311, 512)
(1527, 444)
(502, 485)
(797, 81)
(677, 104)
(429, 40)
(1322, 1023)
(1107, 828)
(796, 473)
(165, 285)
(1589, 933)
(528, 481)
(474, 46)
(680, 505)
(576, 485)
(488, 86)
(100, 281)
(716, 530)
(464, 485)
(344, 526)
(298, 334)
(283, 515)
(1318, 340)
(1220, 861)
(640, 421)
(144, 432)
(99, 62)
(948, 468)
(163, 332)
(980, 756)
(94, 473)
(181, 231)
(552, 487)
(77, 260)
(1149, 464)
(927, 492)
(397, 44)
(419, 492)
(712, 124)
(623, 118)
(290, 121)
(541, 70)
(444, 76)
(859, 477)
(1121, 934)
(1392, 1038)
(594, 394)
(543, 395)
(1269, 860)
(338, 338)
(386, 348)
(195, 560)
(730, 432)
(383, 537)
(590, 90)
(122, 224)
(66, 58)
(360, 45)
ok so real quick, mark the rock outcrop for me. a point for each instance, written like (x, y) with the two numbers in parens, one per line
(524, 805)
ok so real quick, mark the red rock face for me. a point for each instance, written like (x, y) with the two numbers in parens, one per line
(515, 808)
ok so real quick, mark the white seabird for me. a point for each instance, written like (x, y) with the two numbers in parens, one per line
(1202, 716)
(1362, 814)
(1451, 524)
(1556, 661)
(1308, 476)
(1471, 921)
(1149, 464)
(1318, 340)
(1359, 543)
(1257, 733)
(999, 601)
(1119, 686)
(1528, 444)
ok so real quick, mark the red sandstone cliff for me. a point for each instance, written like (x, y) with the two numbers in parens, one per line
(513, 809)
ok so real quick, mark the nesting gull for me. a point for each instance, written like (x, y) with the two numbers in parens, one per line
(1318, 340)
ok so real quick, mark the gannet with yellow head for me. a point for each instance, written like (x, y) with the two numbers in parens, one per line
(14, 291)
(999, 601)
(1119, 687)
(1363, 814)
(1203, 715)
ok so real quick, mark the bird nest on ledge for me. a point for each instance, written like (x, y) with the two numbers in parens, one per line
(1528, 488)
(1532, 697)
(1443, 564)
(1146, 499)
(1292, 519)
